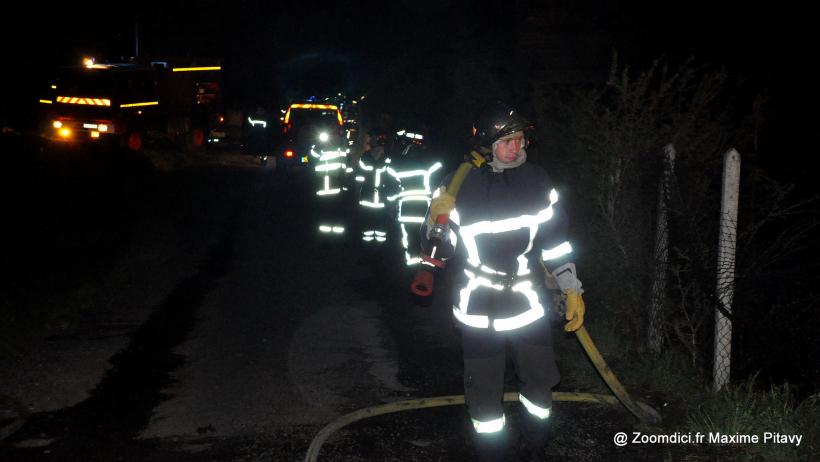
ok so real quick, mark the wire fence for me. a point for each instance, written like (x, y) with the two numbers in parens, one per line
(659, 316)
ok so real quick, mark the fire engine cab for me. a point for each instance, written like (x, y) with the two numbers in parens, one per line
(136, 102)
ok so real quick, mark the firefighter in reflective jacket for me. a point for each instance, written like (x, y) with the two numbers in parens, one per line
(374, 181)
(508, 225)
(331, 171)
(412, 170)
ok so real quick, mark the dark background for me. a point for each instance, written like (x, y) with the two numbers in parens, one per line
(274, 52)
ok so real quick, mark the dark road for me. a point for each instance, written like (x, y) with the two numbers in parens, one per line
(196, 314)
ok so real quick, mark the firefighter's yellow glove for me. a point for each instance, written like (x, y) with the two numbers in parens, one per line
(575, 310)
(441, 205)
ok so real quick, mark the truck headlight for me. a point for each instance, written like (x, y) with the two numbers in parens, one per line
(323, 137)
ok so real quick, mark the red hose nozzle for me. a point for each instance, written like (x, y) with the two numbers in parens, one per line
(422, 284)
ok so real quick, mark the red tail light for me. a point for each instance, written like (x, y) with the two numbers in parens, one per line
(289, 153)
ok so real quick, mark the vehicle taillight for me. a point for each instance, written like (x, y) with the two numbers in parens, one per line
(289, 153)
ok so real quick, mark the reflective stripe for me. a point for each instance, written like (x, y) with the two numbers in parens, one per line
(487, 269)
(404, 218)
(469, 232)
(326, 166)
(196, 69)
(556, 252)
(533, 314)
(460, 311)
(490, 426)
(330, 167)
(538, 411)
(412, 260)
(406, 176)
(85, 101)
(146, 103)
(473, 320)
(254, 123)
(332, 155)
(377, 179)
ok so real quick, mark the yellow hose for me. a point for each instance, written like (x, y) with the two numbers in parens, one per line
(458, 178)
(640, 410)
(424, 403)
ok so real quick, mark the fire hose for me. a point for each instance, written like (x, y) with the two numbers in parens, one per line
(642, 411)
(422, 285)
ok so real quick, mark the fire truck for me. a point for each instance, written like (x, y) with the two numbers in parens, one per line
(136, 102)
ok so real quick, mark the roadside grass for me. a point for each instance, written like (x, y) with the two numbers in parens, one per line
(746, 409)
(677, 389)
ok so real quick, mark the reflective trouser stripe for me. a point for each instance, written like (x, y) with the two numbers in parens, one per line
(490, 426)
(538, 411)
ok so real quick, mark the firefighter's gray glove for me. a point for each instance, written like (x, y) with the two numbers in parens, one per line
(572, 290)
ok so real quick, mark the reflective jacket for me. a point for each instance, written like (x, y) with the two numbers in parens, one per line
(504, 222)
(372, 174)
(414, 189)
(413, 175)
(331, 169)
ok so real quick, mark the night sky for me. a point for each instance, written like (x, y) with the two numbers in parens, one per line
(275, 44)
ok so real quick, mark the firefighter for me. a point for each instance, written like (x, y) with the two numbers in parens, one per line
(329, 157)
(509, 226)
(412, 170)
(374, 182)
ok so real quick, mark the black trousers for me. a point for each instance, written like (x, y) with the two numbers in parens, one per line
(485, 353)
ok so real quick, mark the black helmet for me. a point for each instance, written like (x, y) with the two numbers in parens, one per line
(496, 121)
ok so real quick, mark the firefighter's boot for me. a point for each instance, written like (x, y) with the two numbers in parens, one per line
(491, 447)
(536, 434)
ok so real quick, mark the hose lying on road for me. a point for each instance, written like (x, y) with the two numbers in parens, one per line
(640, 410)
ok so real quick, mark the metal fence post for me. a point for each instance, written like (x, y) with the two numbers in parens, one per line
(657, 292)
(726, 269)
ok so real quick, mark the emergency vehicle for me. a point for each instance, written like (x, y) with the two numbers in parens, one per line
(310, 126)
(135, 102)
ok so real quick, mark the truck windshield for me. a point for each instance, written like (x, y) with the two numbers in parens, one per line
(314, 118)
